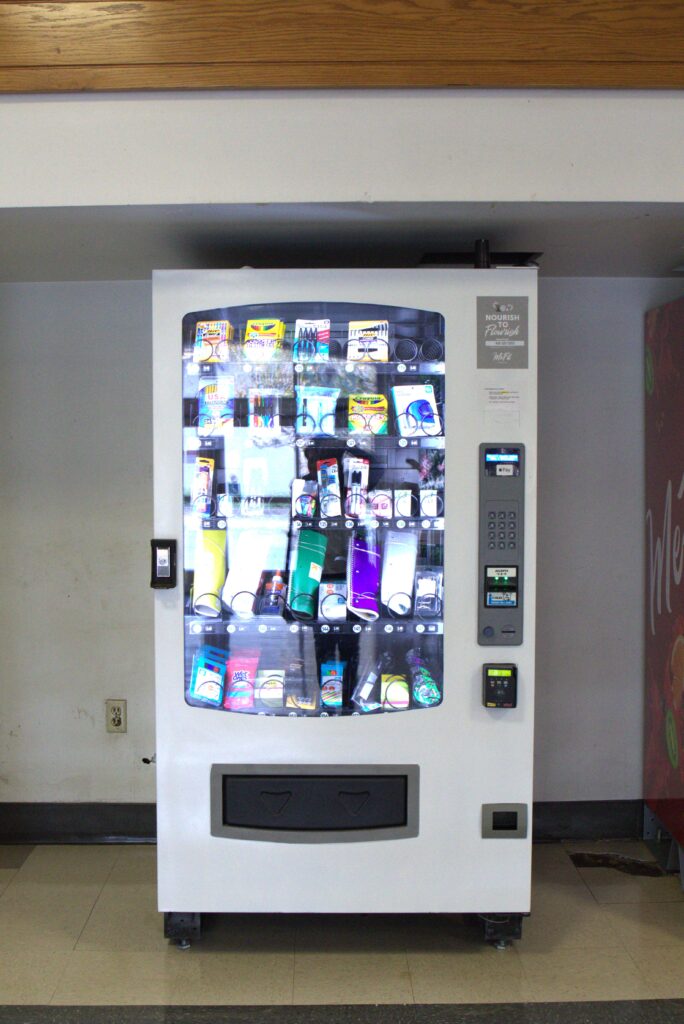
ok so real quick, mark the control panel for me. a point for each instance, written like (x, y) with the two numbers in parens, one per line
(502, 498)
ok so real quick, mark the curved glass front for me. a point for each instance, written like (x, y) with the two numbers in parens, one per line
(313, 459)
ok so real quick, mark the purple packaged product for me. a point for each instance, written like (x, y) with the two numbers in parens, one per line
(363, 577)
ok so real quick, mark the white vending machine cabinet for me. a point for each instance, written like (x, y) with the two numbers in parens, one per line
(345, 514)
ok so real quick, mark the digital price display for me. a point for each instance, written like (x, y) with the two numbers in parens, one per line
(502, 462)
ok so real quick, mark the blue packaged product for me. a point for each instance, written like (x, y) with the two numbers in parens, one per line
(208, 676)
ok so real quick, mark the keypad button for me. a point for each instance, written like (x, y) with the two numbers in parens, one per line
(502, 536)
(491, 545)
(511, 544)
(511, 536)
(511, 515)
(502, 544)
(492, 515)
(502, 515)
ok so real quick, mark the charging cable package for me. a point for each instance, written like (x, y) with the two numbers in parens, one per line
(415, 410)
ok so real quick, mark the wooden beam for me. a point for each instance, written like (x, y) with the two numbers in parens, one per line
(195, 44)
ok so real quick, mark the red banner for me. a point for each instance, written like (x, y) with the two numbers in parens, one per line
(664, 577)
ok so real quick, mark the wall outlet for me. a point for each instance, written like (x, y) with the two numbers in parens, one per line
(116, 715)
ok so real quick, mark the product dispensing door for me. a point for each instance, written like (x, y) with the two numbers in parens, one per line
(344, 514)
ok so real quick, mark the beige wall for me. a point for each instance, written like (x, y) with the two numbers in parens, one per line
(341, 146)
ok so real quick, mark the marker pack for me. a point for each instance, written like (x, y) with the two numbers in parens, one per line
(311, 341)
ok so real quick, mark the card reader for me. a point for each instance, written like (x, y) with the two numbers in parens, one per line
(499, 686)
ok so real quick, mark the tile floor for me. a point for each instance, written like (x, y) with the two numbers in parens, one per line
(78, 925)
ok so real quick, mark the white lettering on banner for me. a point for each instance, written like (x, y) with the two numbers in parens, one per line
(665, 557)
(501, 330)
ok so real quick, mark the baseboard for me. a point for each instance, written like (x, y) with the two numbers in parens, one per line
(588, 819)
(32, 823)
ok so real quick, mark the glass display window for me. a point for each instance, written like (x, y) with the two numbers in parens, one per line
(313, 469)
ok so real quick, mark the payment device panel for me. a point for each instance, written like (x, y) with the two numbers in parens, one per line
(500, 566)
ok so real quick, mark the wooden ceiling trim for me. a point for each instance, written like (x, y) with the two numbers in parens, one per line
(176, 44)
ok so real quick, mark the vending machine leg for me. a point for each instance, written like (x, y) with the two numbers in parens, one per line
(501, 929)
(182, 928)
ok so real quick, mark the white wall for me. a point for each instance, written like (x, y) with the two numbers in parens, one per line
(342, 146)
(75, 526)
(591, 514)
(76, 518)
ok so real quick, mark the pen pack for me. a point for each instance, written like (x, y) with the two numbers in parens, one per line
(311, 341)
(368, 341)
(329, 497)
(264, 410)
(211, 341)
(356, 472)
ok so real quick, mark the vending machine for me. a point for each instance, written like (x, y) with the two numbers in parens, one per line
(344, 564)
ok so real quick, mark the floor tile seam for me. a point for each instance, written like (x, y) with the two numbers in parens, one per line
(294, 965)
(410, 977)
(649, 984)
(94, 904)
(11, 882)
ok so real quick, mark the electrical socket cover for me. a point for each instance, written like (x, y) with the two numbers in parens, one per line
(116, 715)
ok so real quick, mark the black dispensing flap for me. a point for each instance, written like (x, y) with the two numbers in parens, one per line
(315, 802)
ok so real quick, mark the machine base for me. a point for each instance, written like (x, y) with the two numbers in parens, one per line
(667, 851)
(182, 928)
(501, 929)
